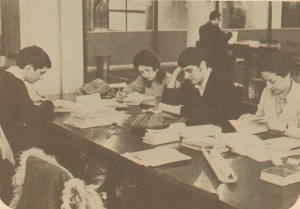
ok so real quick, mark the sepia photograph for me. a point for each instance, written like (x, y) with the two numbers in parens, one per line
(149, 104)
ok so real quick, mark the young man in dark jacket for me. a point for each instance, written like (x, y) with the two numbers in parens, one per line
(206, 96)
(24, 123)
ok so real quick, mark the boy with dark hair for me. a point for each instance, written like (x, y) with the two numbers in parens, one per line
(23, 122)
(205, 96)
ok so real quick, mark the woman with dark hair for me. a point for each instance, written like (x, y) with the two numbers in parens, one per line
(279, 105)
(151, 80)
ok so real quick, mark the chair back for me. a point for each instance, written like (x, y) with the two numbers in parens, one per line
(40, 183)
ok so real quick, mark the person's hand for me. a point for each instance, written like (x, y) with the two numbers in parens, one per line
(246, 117)
(275, 125)
(121, 95)
(177, 71)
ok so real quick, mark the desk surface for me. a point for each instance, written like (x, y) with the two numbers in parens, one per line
(248, 192)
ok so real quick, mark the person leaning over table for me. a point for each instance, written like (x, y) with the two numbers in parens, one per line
(279, 105)
(151, 79)
(205, 97)
(24, 123)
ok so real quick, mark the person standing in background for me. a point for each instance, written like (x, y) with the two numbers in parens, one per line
(214, 43)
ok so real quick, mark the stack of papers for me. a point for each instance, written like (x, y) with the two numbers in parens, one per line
(164, 136)
(136, 98)
(156, 157)
(93, 116)
(157, 137)
(204, 136)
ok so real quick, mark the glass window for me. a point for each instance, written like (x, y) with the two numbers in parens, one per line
(121, 15)
(290, 15)
(245, 14)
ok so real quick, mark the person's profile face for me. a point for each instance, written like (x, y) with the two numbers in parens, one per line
(194, 74)
(32, 75)
(276, 83)
(218, 20)
(147, 72)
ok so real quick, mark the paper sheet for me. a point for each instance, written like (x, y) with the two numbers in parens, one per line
(254, 148)
(157, 156)
(248, 127)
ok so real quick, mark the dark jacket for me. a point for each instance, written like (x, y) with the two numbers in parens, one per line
(214, 42)
(217, 105)
(21, 120)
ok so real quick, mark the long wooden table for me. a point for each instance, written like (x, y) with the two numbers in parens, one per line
(193, 183)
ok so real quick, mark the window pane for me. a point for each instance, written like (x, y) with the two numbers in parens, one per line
(138, 4)
(245, 14)
(136, 21)
(290, 15)
(172, 15)
(117, 21)
(101, 16)
(117, 4)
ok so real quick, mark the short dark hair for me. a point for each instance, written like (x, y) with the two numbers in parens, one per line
(35, 56)
(191, 56)
(146, 57)
(214, 15)
(279, 63)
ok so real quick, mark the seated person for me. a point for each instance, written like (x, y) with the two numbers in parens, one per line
(151, 80)
(205, 96)
(279, 105)
(23, 122)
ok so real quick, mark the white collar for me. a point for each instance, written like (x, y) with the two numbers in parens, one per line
(204, 82)
(17, 72)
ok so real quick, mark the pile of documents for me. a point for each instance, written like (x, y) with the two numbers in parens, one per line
(156, 157)
(164, 136)
(204, 136)
(90, 111)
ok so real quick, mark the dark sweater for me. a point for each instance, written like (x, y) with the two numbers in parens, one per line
(21, 120)
(217, 105)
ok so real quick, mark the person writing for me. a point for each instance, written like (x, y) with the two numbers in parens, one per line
(205, 96)
(151, 79)
(23, 122)
(279, 105)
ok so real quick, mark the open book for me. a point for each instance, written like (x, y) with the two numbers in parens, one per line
(248, 127)
(255, 148)
(156, 157)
